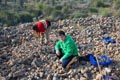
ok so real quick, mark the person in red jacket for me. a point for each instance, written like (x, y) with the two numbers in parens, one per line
(42, 29)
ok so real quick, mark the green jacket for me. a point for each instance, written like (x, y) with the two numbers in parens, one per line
(68, 47)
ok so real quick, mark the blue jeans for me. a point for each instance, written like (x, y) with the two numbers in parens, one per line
(65, 61)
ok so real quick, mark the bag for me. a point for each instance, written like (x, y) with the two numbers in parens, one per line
(105, 61)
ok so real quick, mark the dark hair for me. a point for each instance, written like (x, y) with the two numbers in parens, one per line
(61, 33)
(35, 28)
(49, 23)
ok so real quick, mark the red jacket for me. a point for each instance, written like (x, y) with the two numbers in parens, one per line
(41, 26)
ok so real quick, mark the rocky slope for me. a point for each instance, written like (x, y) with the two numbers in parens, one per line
(23, 57)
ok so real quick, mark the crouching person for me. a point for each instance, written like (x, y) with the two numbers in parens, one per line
(42, 29)
(66, 50)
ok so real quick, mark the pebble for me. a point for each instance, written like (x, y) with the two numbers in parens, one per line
(19, 49)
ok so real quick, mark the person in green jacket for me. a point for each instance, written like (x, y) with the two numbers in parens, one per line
(66, 50)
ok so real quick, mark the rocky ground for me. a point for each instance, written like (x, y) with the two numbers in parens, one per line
(23, 57)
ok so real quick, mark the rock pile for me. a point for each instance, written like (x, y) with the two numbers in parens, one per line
(22, 57)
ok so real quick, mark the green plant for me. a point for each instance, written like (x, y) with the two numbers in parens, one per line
(116, 4)
(65, 9)
(58, 7)
(25, 17)
(47, 10)
(56, 13)
(93, 10)
(105, 12)
(7, 18)
(79, 14)
(39, 6)
(100, 3)
(117, 13)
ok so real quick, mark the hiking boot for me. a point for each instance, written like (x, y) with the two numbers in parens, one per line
(74, 59)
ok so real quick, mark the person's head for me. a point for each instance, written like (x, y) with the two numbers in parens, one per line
(48, 22)
(35, 28)
(62, 35)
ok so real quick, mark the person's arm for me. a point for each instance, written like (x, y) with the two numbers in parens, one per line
(57, 47)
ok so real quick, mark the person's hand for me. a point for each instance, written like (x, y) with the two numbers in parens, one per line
(35, 34)
(61, 60)
(57, 52)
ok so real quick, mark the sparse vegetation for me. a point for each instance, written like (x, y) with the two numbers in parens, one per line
(105, 12)
(79, 14)
(25, 10)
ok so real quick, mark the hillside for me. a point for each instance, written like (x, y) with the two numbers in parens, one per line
(14, 12)
(22, 57)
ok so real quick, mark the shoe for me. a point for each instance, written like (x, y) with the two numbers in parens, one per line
(108, 40)
(71, 62)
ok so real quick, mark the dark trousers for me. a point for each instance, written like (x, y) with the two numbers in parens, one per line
(66, 61)
(84, 58)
